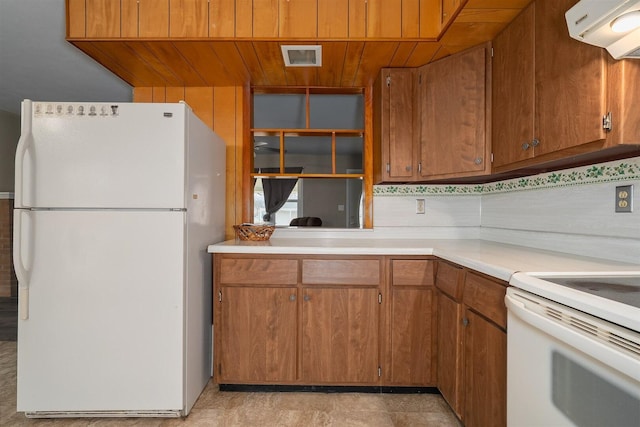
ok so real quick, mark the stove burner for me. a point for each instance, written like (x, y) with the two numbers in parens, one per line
(623, 289)
(602, 286)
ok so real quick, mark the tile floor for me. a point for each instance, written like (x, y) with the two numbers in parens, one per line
(215, 408)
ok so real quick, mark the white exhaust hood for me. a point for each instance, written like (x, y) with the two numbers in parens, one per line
(593, 22)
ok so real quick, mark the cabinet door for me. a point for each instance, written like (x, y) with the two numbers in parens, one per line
(513, 91)
(189, 18)
(265, 18)
(450, 350)
(76, 18)
(485, 373)
(384, 19)
(102, 19)
(153, 18)
(221, 23)
(449, 8)
(394, 133)
(454, 113)
(298, 18)
(570, 83)
(333, 19)
(258, 335)
(340, 328)
(411, 337)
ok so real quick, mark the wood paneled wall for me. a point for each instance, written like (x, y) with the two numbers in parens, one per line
(341, 19)
(223, 109)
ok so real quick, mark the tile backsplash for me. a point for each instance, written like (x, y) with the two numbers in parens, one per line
(570, 210)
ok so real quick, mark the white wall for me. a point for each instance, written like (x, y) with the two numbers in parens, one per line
(446, 216)
(578, 219)
(9, 134)
(570, 211)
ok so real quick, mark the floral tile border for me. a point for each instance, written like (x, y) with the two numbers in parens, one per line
(619, 170)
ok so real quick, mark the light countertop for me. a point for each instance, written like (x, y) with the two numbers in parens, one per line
(495, 259)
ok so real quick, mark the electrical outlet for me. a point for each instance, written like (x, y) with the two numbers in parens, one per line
(624, 198)
(420, 206)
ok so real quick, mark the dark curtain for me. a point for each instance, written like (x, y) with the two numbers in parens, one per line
(277, 190)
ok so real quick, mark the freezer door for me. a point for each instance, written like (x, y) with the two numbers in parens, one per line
(104, 330)
(79, 155)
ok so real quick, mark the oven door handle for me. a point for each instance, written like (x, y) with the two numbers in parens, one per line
(604, 351)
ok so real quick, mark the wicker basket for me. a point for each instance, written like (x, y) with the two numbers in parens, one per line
(254, 232)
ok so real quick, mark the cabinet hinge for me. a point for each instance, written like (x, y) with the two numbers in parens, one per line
(491, 157)
(388, 167)
(607, 124)
(379, 371)
(219, 296)
(388, 81)
(379, 298)
(492, 52)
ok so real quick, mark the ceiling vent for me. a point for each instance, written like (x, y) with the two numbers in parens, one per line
(302, 56)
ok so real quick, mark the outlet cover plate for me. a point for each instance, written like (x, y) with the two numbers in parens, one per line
(624, 198)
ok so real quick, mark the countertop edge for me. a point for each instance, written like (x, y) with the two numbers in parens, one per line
(495, 259)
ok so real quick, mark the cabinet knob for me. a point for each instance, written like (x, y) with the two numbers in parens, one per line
(407, 168)
(478, 161)
(307, 298)
(292, 297)
(465, 321)
(535, 142)
(525, 146)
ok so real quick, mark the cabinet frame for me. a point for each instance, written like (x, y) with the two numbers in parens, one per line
(344, 277)
(476, 345)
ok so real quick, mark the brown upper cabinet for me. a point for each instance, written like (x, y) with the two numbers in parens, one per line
(551, 93)
(188, 18)
(102, 18)
(433, 122)
(324, 19)
(449, 10)
(455, 95)
(395, 131)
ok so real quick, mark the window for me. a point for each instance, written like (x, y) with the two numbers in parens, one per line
(315, 138)
(284, 215)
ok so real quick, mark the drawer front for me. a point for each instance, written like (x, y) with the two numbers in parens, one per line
(486, 297)
(341, 272)
(449, 279)
(259, 271)
(414, 272)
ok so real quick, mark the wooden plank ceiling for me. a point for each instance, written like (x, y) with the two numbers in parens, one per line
(345, 63)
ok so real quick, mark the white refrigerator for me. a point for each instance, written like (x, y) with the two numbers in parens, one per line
(115, 205)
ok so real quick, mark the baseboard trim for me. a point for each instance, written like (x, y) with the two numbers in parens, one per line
(326, 389)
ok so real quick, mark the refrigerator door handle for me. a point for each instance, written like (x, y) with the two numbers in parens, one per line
(22, 273)
(24, 143)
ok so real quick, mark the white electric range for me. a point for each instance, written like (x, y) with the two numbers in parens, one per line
(573, 349)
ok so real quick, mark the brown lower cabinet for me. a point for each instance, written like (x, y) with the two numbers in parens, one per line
(411, 325)
(257, 330)
(340, 338)
(472, 345)
(288, 319)
(323, 320)
(366, 321)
